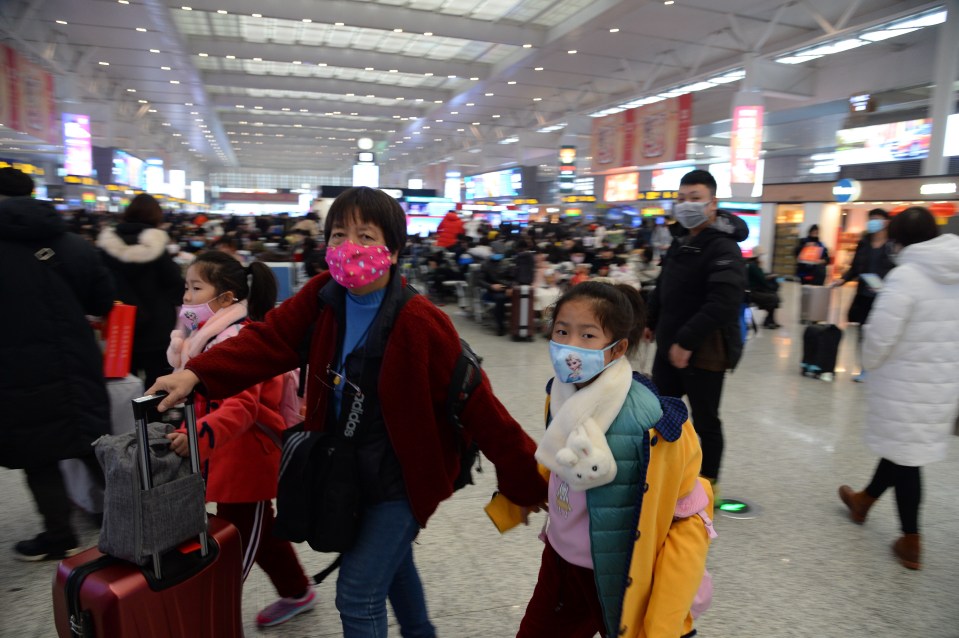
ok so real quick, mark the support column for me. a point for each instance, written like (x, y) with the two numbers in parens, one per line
(943, 95)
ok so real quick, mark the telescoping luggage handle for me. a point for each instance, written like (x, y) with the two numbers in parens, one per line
(141, 407)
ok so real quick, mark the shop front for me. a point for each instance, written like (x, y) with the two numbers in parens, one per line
(841, 209)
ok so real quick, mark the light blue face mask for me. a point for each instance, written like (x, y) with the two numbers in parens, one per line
(578, 365)
(873, 226)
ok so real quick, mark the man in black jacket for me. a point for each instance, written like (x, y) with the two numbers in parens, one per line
(695, 310)
(52, 394)
(495, 279)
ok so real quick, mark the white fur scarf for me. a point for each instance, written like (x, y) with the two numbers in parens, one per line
(574, 447)
(184, 347)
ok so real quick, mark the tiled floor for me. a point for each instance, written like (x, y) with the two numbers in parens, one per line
(799, 569)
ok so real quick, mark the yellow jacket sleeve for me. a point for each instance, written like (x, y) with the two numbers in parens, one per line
(669, 556)
(681, 561)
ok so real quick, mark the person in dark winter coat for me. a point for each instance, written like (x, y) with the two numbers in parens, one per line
(52, 393)
(812, 272)
(873, 256)
(146, 277)
(496, 282)
(695, 310)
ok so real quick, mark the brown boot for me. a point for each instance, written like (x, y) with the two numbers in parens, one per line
(857, 502)
(907, 550)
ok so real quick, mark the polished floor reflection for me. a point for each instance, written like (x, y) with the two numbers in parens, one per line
(800, 568)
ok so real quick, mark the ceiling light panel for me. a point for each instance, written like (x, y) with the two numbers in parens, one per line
(300, 95)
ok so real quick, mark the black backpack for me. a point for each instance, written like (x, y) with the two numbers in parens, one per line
(467, 376)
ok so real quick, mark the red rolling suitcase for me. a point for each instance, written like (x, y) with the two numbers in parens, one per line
(522, 314)
(194, 589)
(106, 597)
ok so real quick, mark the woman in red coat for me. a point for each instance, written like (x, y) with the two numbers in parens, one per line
(449, 229)
(392, 354)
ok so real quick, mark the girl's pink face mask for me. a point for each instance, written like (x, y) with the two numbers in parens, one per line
(354, 266)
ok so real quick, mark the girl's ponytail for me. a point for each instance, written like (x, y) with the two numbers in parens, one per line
(255, 283)
(262, 290)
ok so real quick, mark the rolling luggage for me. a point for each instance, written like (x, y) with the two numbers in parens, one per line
(820, 350)
(814, 304)
(193, 589)
(95, 595)
(522, 314)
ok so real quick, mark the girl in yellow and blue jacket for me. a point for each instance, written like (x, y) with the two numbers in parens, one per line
(629, 527)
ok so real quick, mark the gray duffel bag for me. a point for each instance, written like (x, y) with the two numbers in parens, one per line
(142, 520)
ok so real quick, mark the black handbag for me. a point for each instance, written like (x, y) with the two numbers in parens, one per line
(318, 498)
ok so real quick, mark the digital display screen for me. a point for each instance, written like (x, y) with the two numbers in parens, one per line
(507, 183)
(748, 245)
(422, 225)
(78, 145)
(127, 169)
(884, 142)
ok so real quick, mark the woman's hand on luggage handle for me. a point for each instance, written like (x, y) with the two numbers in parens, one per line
(177, 386)
(179, 443)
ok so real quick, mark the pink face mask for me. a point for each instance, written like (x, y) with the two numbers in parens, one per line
(353, 266)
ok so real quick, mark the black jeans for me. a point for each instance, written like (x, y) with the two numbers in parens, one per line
(908, 483)
(704, 389)
(50, 494)
(498, 297)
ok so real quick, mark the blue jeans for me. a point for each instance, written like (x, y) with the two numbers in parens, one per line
(380, 565)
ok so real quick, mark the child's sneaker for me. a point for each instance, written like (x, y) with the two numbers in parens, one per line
(285, 608)
(42, 547)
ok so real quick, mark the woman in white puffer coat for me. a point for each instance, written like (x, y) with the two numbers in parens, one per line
(911, 350)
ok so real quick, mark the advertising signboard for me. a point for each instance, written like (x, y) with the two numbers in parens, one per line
(621, 188)
(77, 145)
(884, 142)
(645, 135)
(746, 144)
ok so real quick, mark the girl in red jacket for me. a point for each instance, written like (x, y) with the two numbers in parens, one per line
(239, 435)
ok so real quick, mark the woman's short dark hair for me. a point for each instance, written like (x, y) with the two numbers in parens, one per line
(372, 206)
(144, 209)
(619, 308)
(913, 226)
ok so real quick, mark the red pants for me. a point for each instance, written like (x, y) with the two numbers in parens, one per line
(564, 604)
(276, 557)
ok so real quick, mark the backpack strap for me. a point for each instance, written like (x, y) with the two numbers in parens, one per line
(466, 378)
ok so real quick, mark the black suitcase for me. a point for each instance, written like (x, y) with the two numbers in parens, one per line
(522, 315)
(820, 350)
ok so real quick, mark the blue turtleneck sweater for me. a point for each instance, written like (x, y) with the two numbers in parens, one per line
(360, 312)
